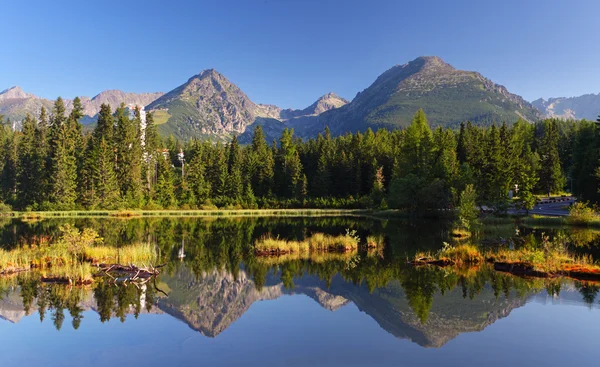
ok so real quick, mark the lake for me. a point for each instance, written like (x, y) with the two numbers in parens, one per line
(217, 303)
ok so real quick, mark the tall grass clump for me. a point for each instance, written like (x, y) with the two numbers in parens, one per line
(279, 246)
(138, 254)
(323, 242)
(318, 242)
(464, 254)
(583, 214)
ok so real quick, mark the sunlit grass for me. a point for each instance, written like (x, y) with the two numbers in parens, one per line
(548, 258)
(318, 242)
(70, 257)
(138, 254)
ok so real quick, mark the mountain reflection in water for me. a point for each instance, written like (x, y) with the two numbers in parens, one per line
(220, 280)
(428, 306)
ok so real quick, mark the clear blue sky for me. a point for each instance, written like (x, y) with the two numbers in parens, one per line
(290, 52)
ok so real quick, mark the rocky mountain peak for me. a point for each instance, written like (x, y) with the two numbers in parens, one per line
(586, 106)
(208, 104)
(14, 93)
(326, 102)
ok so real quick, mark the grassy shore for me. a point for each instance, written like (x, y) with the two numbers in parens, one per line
(184, 213)
(71, 258)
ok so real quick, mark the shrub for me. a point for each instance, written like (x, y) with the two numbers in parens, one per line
(581, 213)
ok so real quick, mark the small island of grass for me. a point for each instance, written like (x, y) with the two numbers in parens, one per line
(550, 260)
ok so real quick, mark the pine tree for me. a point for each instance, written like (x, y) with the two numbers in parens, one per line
(461, 149)
(377, 193)
(322, 180)
(129, 156)
(100, 182)
(63, 162)
(42, 155)
(28, 170)
(551, 176)
(260, 164)
(165, 191)
(8, 177)
(416, 150)
(196, 176)
(152, 144)
(235, 185)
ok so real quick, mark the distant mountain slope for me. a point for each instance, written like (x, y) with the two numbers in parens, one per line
(586, 107)
(16, 104)
(447, 95)
(91, 106)
(210, 106)
(326, 102)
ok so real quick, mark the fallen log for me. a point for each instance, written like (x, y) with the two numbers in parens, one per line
(129, 273)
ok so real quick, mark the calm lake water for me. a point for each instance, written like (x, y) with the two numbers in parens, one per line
(222, 306)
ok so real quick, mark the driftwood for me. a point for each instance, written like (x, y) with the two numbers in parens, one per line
(429, 261)
(129, 273)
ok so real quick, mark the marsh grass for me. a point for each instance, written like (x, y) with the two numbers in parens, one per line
(318, 242)
(464, 254)
(70, 257)
(138, 254)
(549, 258)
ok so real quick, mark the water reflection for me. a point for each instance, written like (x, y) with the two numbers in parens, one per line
(213, 278)
(426, 305)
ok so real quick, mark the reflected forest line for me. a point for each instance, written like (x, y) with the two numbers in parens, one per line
(213, 275)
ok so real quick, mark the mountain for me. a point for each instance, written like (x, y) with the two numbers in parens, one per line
(447, 95)
(325, 103)
(16, 104)
(91, 106)
(210, 106)
(586, 107)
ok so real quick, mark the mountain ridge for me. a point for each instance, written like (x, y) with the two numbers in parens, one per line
(210, 106)
(16, 104)
(586, 106)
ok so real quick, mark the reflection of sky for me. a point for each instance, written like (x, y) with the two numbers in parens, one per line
(296, 331)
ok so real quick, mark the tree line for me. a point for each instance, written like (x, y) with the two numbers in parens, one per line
(52, 163)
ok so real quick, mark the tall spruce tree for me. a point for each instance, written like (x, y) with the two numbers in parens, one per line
(63, 161)
(129, 156)
(551, 176)
(102, 186)
(28, 169)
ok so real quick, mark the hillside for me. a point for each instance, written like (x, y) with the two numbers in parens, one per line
(447, 95)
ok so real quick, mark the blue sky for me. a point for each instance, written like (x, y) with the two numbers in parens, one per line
(290, 52)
